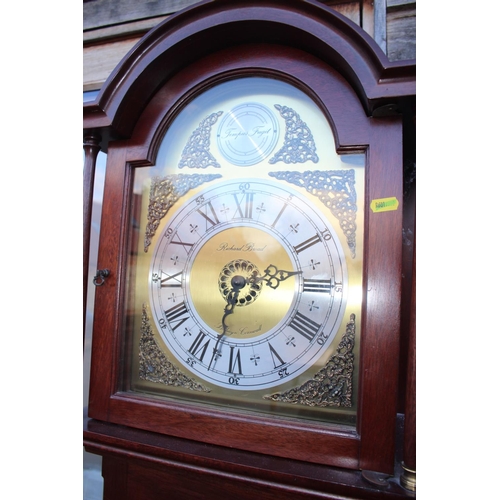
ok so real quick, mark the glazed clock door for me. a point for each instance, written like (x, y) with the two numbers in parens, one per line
(246, 215)
(246, 267)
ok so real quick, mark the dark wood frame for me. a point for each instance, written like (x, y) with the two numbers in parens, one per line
(363, 96)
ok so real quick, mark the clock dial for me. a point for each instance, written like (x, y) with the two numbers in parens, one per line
(233, 291)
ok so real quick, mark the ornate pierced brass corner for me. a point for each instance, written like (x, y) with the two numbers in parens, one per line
(299, 145)
(332, 385)
(196, 153)
(164, 193)
(154, 366)
(336, 190)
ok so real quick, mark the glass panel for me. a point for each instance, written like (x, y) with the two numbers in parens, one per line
(246, 258)
(92, 477)
(90, 95)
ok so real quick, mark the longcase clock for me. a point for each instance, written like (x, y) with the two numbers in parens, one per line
(247, 316)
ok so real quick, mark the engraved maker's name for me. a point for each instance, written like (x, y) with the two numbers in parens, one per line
(247, 247)
(234, 133)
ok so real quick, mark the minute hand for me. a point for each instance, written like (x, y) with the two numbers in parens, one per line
(272, 276)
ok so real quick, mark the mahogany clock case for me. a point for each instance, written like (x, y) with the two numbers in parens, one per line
(340, 72)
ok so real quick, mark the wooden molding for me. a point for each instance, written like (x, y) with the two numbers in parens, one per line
(104, 45)
(153, 466)
(210, 27)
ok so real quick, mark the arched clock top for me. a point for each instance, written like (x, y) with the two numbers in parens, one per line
(209, 27)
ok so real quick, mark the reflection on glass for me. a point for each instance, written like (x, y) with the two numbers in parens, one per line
(92, 478)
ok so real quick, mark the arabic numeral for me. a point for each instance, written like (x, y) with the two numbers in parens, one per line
(283, 373)
(322, 338)
(234, 380)
(326, 235)
(191, 362)
(162, 323)
(244, 186)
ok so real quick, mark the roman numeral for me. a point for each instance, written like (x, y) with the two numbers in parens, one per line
(305, 326)
(198, 349)
(275, 355)
(246, 209)
(177, 314)
(182, 243)
(171, 281)
(233, 361)
(215, 219)
(308, 243)
(279, 215)
(320, 286)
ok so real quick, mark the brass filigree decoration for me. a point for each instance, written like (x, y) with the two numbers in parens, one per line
(164, 193)
(336, 190)
(196, 153)
(154, 366)
(332, 385)
(299, 145)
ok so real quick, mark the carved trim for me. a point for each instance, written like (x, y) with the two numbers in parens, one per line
(336, 190)
(332, 385)
(299, 145)
(164, 193)
(154, 366)
(196, 153)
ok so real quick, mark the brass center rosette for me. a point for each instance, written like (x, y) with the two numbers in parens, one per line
(245, 269)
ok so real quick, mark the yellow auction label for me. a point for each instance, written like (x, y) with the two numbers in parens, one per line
(384, 204)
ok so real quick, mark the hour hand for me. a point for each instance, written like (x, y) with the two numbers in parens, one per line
(237, 283)
(272, 276)
(232, 298)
